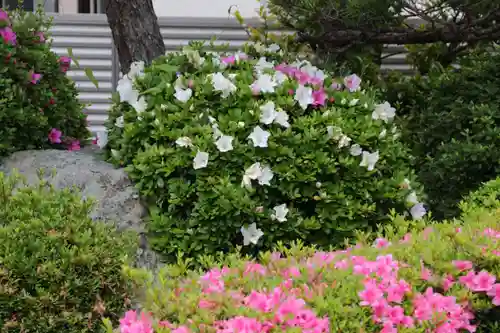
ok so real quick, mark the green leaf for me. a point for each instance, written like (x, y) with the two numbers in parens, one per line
(167, 68)
(91, 77)
(72, 56)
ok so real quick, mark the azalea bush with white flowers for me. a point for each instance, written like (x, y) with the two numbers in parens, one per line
(234, 150)
(39, 107)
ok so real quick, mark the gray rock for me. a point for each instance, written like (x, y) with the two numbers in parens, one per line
(117, 201)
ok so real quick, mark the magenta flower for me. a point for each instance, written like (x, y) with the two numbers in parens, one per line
(41, 36)
(35, 77)
(228, 60)
(55, 135)
(74, 146)
(8, 35)
(4, 16)
(494, 292)
(352, 82)
(65, 63)
(462, 265)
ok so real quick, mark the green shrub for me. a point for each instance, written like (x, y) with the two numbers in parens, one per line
(452, 124)
(220, 163)
(38, 102)
(423, 278)
(487, 196)
(59, 270)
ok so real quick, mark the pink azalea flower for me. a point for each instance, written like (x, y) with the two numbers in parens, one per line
(370, 295)
(319, 97)
(8, 35)
(35, 77)
(228, 60)
(462, 265)
(352, 82)
(181, 329)
(254, 268)
(55, 135)
(130, 323)
(482, 281)
(41, 36)
(494, 292)
(74, 146)
(65, 63)
(381, 243)
(448, 282)
(4, 16)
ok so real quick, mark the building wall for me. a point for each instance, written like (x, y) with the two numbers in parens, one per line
(184, 8)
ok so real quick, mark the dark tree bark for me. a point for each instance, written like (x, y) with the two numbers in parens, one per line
(135, 29)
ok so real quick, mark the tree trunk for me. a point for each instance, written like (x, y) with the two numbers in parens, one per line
(135, 29)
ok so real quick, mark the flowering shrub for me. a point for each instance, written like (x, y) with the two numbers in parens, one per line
(39, 106)
(452, 124)
(60, 271)
(238, 150)
(421, 278)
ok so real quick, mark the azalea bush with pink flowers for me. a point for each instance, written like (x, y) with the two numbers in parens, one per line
(234, 149)
(419, 277)
(39, 106)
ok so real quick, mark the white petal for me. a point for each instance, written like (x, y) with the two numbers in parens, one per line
(224, 143)
(268, 113)
(282, 119)
(412, 198)
(280, 213)
(183, 95)
(356, 150)
(184, 141)
(120, 122)
(259, 137)
(200, 160)
(418, 211)
(102, 139)
(266, 176)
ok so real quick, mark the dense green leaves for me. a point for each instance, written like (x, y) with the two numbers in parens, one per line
(452, 124)
(60, 271)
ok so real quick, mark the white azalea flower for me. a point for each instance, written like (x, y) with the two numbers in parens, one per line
(267, 113)
(251, 234)
(120, 122)
(200, 160)
(334, 132)
(102, 139)
(282, 119)
(412, 198)
(273, 48)
(280, 77)
(304, 96)
(183, 95)
(140, 105)
(222, 84)
(259, 137)
(384, 112)
(136, 69)
(356, 150)
(266, 176)
(264, 84)
(252, 173)
(125, 89)
(418, 211)
(263, 64)
(224, 143)
(344, 141)
(184, 141)
(369, 160)
(280, 213)
(216, 131)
